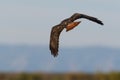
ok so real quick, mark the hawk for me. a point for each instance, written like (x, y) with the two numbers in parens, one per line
(68, 24)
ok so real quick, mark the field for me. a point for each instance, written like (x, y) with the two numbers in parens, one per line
(60, 76)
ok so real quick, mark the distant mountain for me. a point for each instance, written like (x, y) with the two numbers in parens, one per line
(38, 58)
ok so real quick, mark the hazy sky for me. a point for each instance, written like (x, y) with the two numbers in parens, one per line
(30, 22)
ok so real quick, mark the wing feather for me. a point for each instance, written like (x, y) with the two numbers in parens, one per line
(92, 19)
(54, 39)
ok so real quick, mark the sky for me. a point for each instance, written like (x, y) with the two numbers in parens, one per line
(30, 22)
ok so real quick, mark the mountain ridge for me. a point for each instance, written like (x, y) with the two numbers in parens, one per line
(38, 58)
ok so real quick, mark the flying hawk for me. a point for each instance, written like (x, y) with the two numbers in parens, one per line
(69, 24)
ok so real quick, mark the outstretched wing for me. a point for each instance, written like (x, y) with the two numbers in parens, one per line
(54, 39)
(78, 16)
(92, 19)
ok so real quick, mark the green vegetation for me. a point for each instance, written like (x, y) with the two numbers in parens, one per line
(60, 76)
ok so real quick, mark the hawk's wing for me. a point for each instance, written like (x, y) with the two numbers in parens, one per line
(91, 18)
(54, 39)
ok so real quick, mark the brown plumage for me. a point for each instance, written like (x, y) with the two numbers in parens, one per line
(69, 24)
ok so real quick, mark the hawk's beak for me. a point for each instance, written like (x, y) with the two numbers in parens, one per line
(72, 25)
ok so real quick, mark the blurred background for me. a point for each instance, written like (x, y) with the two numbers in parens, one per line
(25, 27)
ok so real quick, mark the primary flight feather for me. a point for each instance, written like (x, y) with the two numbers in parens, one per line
(69, 24)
